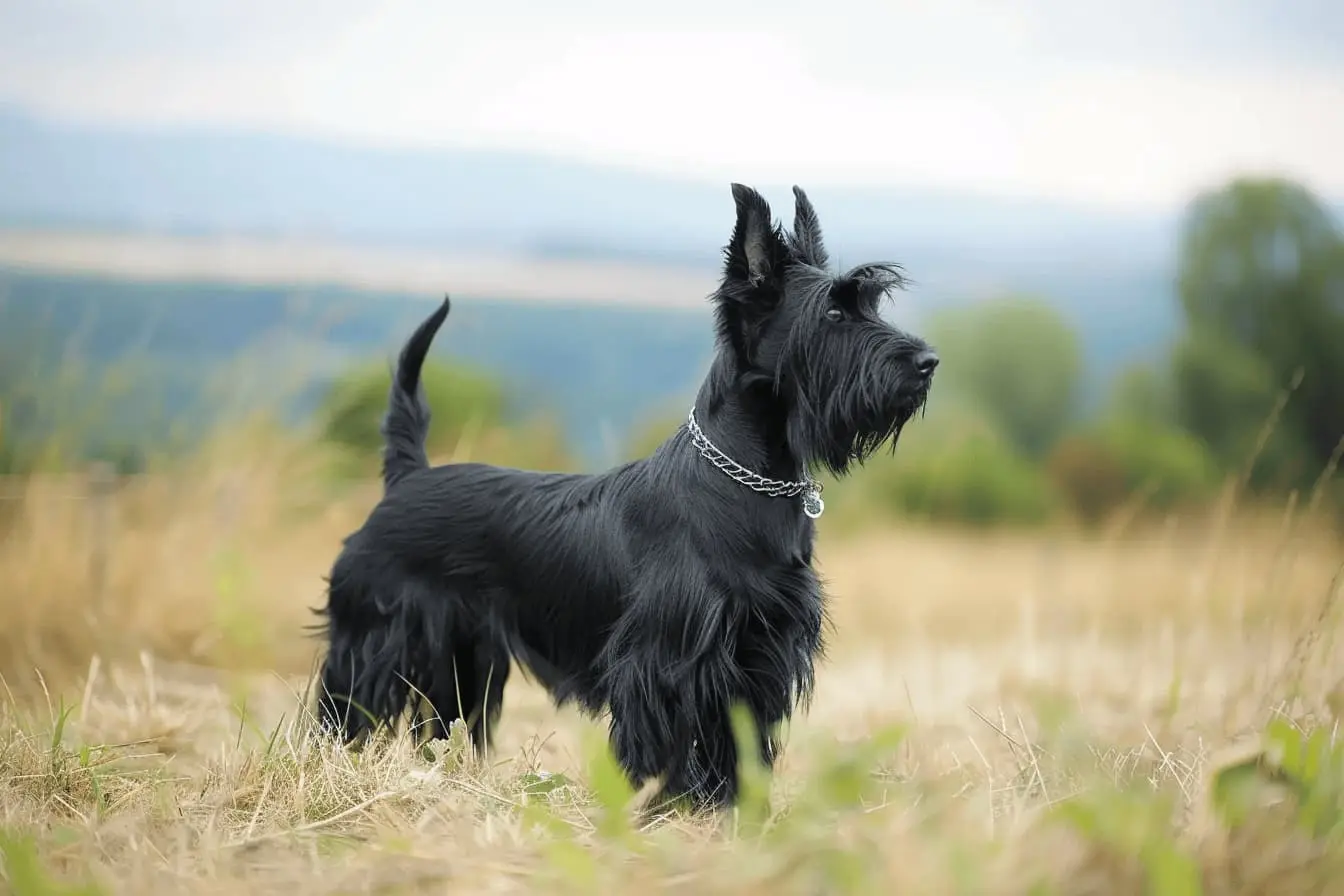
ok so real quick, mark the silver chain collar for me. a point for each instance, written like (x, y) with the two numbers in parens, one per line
(808, 488)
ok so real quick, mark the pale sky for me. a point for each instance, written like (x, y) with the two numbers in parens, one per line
(1134, 103)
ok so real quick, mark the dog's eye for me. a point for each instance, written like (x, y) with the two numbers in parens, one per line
(834, 314)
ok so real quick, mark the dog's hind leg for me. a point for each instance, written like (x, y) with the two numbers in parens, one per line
(492, 674)
(362, 683)
(452, 692)
(469, 686)
(336, 688)
(384, 633)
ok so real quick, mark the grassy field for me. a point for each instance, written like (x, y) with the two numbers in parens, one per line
(1153, 709)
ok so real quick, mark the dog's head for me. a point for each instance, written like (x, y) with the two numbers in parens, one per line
(847, 379)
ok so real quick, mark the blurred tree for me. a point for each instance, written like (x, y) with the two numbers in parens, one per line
(1261, 284)
(462, 400)
(1019, 360)
(1144, 393)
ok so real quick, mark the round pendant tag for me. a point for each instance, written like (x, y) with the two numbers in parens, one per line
(813, 505)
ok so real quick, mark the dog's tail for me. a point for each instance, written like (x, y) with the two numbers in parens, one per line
(406, 424)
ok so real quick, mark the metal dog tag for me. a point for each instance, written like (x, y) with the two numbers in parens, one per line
(813, 505)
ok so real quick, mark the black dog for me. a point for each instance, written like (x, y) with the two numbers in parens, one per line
(666, 590)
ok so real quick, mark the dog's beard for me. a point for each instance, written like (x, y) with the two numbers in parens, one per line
(839, 434)
(905, 410)
(917, 405)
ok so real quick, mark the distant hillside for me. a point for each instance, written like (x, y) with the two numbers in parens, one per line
(598, 367)
(202, 348)
(197, 180)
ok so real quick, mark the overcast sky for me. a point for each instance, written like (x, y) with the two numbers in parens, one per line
(1137, 102)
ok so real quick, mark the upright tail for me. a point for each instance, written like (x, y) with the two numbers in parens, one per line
(406, 424)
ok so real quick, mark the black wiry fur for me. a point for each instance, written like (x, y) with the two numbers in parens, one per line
(662, 591)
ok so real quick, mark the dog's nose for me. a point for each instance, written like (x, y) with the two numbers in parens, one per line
(926, 362)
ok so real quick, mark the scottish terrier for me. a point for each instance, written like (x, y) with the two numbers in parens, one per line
(664, 591)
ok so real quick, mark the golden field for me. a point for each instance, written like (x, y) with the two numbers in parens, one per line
(1000, 712)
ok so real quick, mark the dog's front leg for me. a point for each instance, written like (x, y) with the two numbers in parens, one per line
(670, 679)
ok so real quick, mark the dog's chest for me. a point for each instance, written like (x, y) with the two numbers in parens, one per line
(785, 587)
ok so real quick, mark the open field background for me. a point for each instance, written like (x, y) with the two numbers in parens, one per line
(1000, 711)
(1085, 638)
(1085, 619)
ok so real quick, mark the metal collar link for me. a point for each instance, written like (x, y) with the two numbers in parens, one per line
(808, 488)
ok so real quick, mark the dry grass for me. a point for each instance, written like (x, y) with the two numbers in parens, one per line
(1000, 713)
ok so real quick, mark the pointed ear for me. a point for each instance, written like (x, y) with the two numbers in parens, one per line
(755, 251)
(807, 230)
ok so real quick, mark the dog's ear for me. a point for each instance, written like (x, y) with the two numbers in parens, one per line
(753, 277)
(756, 252)
(807, 241)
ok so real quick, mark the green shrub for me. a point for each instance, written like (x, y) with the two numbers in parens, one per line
(1089, 475)
(1175, 465)
(1163, 466)
(461, 399)
(959, 469)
